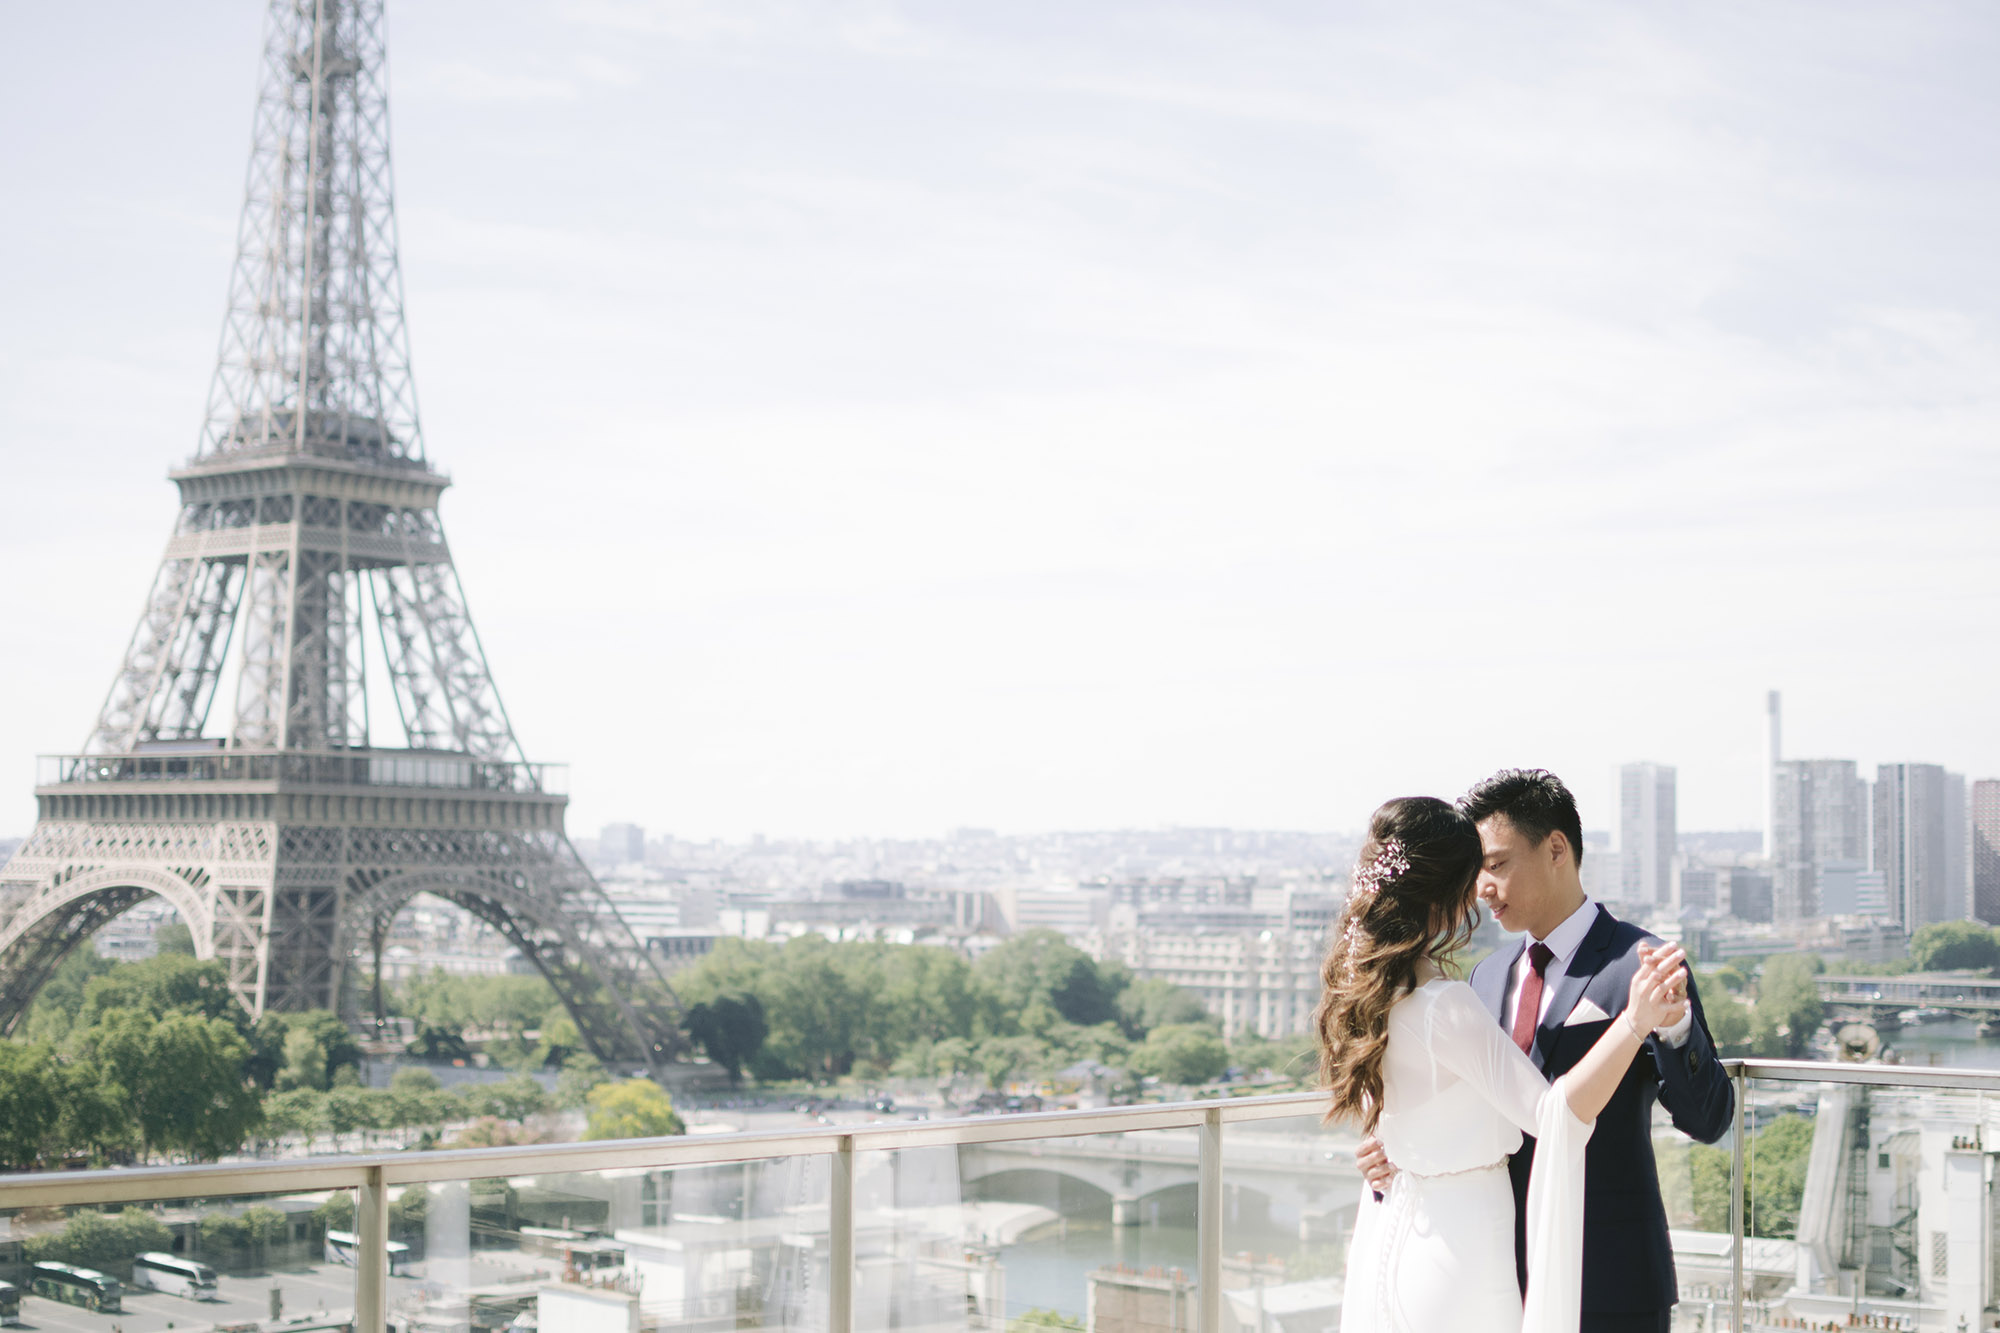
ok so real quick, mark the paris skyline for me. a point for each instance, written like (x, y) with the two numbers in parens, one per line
(871, 423)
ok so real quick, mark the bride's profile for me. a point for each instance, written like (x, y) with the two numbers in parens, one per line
(1415, 1058)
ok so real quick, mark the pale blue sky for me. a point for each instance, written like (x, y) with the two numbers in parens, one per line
(869, 418)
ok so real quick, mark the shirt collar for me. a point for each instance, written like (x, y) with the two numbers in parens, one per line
(1565, 938)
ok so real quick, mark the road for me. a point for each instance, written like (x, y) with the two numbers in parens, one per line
(308, 1290)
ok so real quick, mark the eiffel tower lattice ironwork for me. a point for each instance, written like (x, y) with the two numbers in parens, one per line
(309, 516)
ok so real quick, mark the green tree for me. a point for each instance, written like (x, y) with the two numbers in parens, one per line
(1788, 1010)
(1183, 1053)
(1000, 1059)
(421, 1082)
(300, 1111)
(182, 1079)
(581, 1072)
(96, 1119)
(1041, 964)
(923, 993)
(409, 1210)
(263, 1227)
(730, 1029)
(317, 1047)
(107, 1242)
(440, 1045)
(501, 1004)
(31, 1102)
(1728, 1018)
(223, 1234)
(1708, 1170)
(59, 1001)
(518, 1097)
(1947, 945)
(336, 1213)
(163, 984)
(1153, 1003)
(1775, 1176)
(349, 1109)
(174, 937)
(1038, 1319)
(636, 1108)
(1295, 1058)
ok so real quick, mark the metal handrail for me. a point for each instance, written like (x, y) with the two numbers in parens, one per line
(1876, 1074)
(215, 1180)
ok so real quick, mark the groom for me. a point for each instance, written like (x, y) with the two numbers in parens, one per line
(1555, 991)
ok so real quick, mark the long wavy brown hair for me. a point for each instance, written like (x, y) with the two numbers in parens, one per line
(1422, 907)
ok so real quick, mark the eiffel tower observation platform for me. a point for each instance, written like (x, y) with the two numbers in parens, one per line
(239, 768)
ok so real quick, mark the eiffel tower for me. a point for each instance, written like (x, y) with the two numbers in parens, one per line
(285, 837)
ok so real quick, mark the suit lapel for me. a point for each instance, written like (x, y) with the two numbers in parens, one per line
(1489, 982)
(1584, 965)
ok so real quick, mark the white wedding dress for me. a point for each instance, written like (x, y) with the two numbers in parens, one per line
(1438, 1252)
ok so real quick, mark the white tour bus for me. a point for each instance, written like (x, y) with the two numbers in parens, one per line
(178, 1277)
(340, 1250)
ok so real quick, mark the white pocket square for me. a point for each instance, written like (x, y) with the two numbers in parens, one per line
(1585, 1012)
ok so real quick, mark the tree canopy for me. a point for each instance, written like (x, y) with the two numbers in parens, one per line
(635, 1108)
(1946, 945)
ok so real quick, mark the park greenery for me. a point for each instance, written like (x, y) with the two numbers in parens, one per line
(1034, 1007)
(155, 1060)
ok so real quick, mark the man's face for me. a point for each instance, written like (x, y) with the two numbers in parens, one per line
(1517, 880)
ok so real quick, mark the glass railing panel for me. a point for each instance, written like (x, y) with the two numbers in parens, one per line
(1290, 1192)
(278, 1263)
(1093, 1231)
(739, 1245)
(1869, 1205)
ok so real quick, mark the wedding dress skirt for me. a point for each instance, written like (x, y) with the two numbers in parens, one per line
(1437, 1253)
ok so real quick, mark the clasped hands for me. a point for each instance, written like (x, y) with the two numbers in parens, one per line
(1658, 998)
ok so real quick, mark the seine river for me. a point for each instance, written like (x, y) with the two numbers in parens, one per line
(1954, 1043)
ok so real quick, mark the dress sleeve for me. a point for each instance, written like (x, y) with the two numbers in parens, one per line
(1466, 1040)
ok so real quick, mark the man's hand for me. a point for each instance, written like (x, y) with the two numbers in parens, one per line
(1374, 1164)
(1678, 985)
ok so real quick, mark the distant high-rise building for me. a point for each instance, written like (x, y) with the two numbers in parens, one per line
(1748, 892)
(622, 844)
(1647, 836)
(1919, 843)
(1773, 753)
(1986, 850)
(1694, 886)
(1819, 810)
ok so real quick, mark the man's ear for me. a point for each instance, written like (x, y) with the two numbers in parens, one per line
(1559, 847)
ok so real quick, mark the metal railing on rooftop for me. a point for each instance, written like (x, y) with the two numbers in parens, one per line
(372, 1176)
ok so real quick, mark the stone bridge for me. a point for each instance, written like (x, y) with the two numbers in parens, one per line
(1271, 1174)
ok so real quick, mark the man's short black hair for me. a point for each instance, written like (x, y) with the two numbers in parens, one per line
(1534, 801)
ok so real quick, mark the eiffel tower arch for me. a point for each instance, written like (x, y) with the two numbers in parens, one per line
(289, 825)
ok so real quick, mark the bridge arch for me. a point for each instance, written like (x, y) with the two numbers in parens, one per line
(1069, 1193)
(63, 912)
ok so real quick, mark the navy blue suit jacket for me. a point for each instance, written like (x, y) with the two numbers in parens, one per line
(1628, 1262)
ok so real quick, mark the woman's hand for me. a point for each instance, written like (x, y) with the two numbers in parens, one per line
(1655, 997)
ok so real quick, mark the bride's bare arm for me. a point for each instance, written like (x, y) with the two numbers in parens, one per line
(1591, 1081)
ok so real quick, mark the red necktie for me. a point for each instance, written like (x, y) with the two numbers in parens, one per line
(1530, 1007)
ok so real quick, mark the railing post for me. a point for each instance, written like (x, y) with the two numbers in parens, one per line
(1208, 1223)
(1736, 1227)
(840, 1240)
(371, 1253)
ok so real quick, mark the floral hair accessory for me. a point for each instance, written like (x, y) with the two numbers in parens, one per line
(1390, 861)
(1369, 877)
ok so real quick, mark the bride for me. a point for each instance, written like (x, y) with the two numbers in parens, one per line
(1415, 1059)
